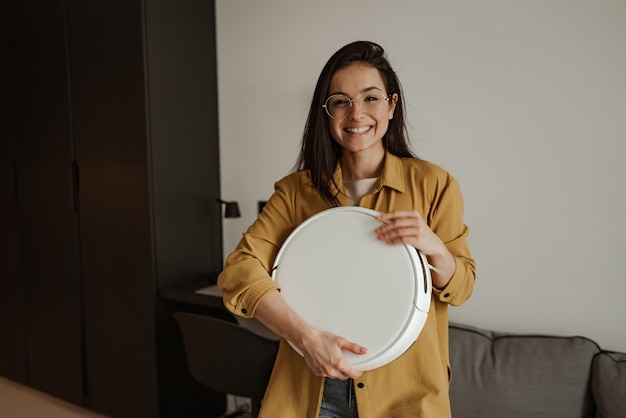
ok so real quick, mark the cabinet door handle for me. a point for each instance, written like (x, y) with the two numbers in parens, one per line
(75, 186)
(16, 190)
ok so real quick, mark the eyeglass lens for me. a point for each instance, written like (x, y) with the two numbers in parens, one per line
(338, 106)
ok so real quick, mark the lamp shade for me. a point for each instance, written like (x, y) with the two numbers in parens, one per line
(232, 209)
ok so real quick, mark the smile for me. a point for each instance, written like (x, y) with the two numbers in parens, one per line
(358, 130)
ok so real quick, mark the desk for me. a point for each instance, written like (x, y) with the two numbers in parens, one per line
(185, 292)
(200, 296)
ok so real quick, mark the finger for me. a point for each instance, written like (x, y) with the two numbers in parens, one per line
(348, 374)
(399, 227)
(353, 373)
(389, 216)
(398, 232)
(345, 371)
(392, 222)
(352, 347)
(342, 370)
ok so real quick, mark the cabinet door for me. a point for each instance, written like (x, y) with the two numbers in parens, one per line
(12, 348)
(109, 105)
(47, 219)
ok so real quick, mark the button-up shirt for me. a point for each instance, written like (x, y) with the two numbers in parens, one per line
(415, 384)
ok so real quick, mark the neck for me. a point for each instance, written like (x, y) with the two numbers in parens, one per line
(356, 166)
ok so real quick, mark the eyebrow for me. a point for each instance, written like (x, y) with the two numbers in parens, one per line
(365, 90)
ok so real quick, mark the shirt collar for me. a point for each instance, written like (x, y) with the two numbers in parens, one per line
(391, 175)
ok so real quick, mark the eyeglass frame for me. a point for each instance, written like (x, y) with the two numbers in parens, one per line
(387, 98)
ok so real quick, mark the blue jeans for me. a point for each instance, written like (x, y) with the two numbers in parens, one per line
(338, 400)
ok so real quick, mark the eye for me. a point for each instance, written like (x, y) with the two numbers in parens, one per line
(340, 101)
(372, 98)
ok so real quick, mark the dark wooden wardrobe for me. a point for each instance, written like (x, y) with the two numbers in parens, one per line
(109, 175)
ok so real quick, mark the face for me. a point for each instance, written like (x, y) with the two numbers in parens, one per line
(360, 131)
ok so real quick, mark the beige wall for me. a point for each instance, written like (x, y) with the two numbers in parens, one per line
(523, 101)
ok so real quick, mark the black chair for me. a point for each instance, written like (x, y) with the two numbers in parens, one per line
(229, 357)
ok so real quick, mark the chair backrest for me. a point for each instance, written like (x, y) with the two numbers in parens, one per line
(225, 356)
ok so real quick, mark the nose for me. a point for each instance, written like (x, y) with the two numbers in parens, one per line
(355, 111)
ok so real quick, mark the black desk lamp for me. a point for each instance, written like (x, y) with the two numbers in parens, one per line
(232, 209)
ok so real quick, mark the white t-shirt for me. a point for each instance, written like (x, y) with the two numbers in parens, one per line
(358, 188)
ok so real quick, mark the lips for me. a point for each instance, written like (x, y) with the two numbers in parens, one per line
(358, 130)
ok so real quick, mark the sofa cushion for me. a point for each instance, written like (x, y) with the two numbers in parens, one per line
(608, 383)
(507, 375)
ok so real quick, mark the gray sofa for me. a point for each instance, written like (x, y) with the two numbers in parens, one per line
(497, 375)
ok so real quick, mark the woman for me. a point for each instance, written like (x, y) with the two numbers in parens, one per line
(355, 152)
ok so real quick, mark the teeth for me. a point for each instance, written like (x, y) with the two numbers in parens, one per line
(358, 130)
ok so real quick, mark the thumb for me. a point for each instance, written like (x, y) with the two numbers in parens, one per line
(352, 347)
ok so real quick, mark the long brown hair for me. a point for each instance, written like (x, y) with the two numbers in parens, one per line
(319, 153)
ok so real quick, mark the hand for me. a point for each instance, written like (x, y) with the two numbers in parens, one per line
(323, 353)
(408, 227)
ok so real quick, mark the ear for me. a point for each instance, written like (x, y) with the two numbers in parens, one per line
(392, 105)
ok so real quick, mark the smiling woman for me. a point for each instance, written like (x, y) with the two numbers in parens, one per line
(355, 152)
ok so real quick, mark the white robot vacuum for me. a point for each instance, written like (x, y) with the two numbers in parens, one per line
(340, 278)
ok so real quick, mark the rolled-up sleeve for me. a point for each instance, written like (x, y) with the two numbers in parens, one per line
(246, 277)
(446, 220)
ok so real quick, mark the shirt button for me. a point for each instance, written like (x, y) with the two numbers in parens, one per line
(244, 310)
(360, 385)
(447, 295)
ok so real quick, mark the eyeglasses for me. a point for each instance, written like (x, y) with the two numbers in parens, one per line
(338, 106)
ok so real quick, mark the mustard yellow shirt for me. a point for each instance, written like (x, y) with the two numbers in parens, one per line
(414, 385)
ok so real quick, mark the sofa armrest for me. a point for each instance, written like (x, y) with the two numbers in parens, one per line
(608, 383)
